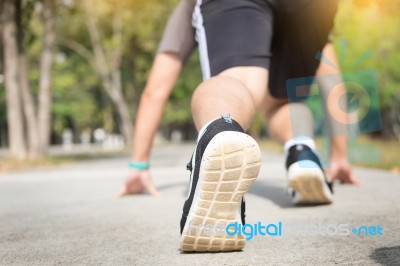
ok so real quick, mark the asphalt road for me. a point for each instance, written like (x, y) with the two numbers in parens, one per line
(70, 216)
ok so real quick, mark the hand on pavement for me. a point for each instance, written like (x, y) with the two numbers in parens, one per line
(137, 182)
(341, 170)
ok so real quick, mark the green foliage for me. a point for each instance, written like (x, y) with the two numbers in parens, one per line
(142, 26)
(75, 102)
(79, 100)
(372, 25)
(367, 45)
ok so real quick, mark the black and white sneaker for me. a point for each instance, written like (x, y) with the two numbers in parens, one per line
(306, 177)
(224, 165)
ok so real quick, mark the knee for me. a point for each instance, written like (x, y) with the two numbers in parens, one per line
(223, 88)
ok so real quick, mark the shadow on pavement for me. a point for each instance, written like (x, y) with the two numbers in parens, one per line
(386, 255)
(278, 195)
(274, 193)
(271, 192)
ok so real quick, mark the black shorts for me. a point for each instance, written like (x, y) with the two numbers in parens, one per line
(283, 36)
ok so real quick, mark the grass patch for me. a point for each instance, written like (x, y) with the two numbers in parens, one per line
(388, 153)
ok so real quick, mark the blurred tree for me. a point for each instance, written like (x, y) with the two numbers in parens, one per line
(104, 52)
(21, 107)
(46, 65)
(10, 8)
(38, 119)
(117, 48)
(109, 65)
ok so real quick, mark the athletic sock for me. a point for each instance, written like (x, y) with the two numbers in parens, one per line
(305, 140)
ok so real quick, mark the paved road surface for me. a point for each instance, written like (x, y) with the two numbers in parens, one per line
(69, 216)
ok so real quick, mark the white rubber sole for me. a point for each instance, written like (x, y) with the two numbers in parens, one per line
(230, 165)
(307, 179)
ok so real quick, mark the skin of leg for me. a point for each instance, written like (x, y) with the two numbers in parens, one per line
(289, 120)
(277, 117)
(236, 91)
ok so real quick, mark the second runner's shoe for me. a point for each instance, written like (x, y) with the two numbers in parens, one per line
(306, 177)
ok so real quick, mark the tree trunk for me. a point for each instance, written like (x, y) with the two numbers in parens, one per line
(110, 76)
(123, 111)
(46, 64)
(14, 107)
(121, 104)
(29, 109)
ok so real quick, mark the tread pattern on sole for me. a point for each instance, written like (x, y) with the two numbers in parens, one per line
(309, 184)
(230, 165)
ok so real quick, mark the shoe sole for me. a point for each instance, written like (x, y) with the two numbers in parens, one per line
(230, 165)
(308, 180)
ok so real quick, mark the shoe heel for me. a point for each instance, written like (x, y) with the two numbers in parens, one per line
(230, 165)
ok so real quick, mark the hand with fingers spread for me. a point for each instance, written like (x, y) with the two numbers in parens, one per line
(138, 182)
(341, 170)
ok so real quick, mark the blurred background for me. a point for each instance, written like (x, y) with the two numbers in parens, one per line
(77, 69)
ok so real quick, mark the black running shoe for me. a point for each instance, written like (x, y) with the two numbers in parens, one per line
(224, 165)
(306, 177)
